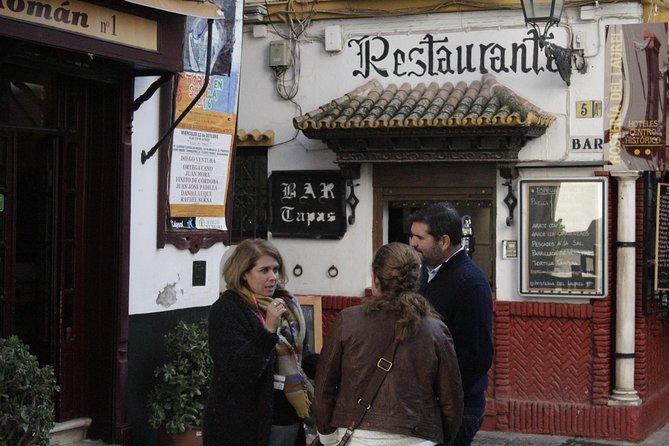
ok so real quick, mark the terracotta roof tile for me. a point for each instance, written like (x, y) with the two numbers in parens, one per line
(481, 103)
(255, 138)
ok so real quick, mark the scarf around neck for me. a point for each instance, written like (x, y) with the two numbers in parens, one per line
(292, 331)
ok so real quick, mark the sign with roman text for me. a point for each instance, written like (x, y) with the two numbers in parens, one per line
(87, 19)
(563, 237)
(309, 204)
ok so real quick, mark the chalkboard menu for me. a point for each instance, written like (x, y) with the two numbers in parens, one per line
(563, 237)
(310, 204)
(662, 238)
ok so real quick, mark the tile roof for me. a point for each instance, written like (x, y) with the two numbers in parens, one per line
(484, 103)
(255, 138)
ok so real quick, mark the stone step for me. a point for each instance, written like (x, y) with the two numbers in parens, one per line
(69, 432)
(92, 443)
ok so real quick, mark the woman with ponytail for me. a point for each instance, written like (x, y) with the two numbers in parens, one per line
(419, 400)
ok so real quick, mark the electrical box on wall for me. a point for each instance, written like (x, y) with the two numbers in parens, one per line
(333, 38)
(279, 53)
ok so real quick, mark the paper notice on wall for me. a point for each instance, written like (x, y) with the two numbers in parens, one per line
(199, 177)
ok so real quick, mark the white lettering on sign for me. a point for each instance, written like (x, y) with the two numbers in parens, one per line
(289, 191)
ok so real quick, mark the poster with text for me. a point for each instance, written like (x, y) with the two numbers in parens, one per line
(200, 164)
(203, 141)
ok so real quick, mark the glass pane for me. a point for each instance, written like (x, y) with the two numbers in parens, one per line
(68, 266)
(68, 316)
(3, 163)
(27, 100)
(70, 168)
(3, 214)
(543, 10)
(72, 105)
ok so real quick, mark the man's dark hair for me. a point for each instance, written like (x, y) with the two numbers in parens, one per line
(441, 219)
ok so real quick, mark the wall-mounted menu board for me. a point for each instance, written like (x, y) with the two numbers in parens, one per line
(662, 238)
(563, 237)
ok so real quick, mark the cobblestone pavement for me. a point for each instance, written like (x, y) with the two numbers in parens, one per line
(484, 438)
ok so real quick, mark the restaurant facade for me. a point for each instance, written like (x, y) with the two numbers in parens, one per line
(343, 122)
(554, 169)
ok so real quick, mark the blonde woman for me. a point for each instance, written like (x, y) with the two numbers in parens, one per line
(259, 393)
(420, 399)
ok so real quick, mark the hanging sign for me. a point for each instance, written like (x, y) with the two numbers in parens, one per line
(307, 204)
(87, 19)
(636, 96)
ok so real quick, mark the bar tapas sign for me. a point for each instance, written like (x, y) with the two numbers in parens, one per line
(307, 204)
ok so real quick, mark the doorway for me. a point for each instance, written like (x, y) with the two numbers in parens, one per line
(60, 217)
(400, 189)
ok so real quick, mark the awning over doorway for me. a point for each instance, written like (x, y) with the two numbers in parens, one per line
(196, 8)
(482, 121)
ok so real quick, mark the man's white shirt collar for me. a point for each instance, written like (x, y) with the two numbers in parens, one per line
(431, 272)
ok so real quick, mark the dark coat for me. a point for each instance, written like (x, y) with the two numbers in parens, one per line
(461, 294)
(240, 403)
(421, 396)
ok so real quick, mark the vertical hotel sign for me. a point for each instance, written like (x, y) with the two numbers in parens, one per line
(203, 140)
(636, 96)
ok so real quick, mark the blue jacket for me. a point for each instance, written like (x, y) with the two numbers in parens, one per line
(461, 294)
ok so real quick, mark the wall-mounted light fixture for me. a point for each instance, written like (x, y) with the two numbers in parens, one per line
(548, 13)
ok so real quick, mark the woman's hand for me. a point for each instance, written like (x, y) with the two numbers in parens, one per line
(273, 316)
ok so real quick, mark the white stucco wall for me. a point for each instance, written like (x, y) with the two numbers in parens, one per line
(159, 275)
(325, 76)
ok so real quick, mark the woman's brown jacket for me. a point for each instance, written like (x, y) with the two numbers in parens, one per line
(422, 394)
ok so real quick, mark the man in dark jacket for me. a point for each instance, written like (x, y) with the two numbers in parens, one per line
(460, 292)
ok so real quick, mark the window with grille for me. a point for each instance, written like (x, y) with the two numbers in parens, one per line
(250, 201)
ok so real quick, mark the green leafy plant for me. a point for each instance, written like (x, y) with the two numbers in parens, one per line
(26, 396)
(176, 402)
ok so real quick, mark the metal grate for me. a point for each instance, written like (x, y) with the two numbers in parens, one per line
(250, 202)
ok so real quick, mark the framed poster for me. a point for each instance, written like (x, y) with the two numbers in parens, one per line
(662, 238)
(563, 237)
(313, 317)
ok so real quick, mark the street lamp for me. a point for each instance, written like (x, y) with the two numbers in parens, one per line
(548, 13)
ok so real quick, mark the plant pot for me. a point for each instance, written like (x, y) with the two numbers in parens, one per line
(192, 437)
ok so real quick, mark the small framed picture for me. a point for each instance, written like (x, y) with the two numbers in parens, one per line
(313, 317)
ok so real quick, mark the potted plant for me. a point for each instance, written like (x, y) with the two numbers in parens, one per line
(177, 399)
(26, 396)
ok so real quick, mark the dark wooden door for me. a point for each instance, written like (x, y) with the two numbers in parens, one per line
(43, 189)
(61, 200)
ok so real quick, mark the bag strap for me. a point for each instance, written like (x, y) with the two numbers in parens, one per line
(383, 366)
